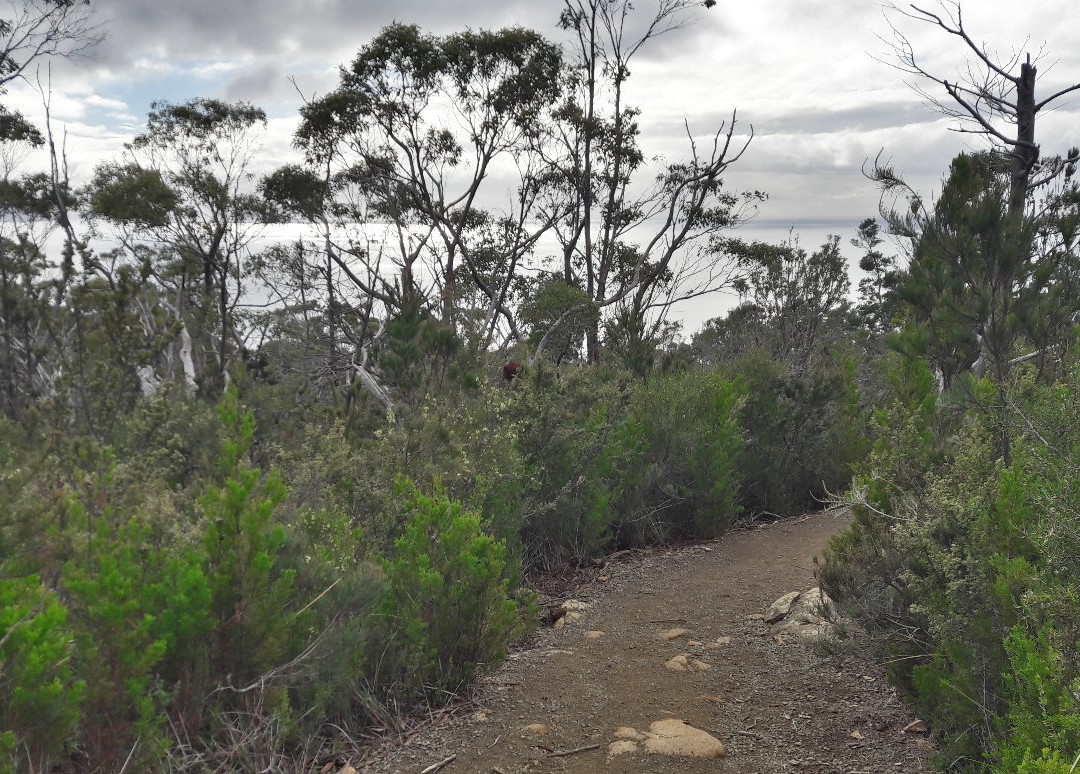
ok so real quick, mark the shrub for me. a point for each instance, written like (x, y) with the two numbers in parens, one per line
(447, 605)
(40, 695)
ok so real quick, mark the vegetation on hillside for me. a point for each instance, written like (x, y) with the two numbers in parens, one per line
(258, 503)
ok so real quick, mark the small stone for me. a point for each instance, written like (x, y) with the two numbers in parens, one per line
(684, 663)
(677, 664)
(575, 604)
(855, 735)
(560, 623)
(673, 634)
(539, 729)
(347, 769)
(602, 579)
(755, 617)
(916, 727)
(711, 699)
(594, 635)
(622, 747)
(695, 643)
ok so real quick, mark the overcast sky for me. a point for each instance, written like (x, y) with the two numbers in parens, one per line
(802, 72)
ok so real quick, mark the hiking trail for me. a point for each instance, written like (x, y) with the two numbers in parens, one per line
(664, 655)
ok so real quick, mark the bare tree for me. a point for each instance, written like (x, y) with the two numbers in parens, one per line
(39, 29)
(630, 246)
(992, 96)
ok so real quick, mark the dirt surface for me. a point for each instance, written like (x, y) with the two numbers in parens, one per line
(775, 706)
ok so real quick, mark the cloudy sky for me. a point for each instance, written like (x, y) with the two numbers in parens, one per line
(804, 73)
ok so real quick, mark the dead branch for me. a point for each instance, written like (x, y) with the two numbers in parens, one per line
(575, 751)
(436, 766)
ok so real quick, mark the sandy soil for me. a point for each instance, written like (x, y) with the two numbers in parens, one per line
(776, 706)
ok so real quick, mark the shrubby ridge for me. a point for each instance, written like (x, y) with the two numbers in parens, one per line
(240, 534)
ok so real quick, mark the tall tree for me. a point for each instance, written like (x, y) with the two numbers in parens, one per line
(187, 182)
(636, 247)
(877, 300)
(794, 292)
(35, 30)
(414, 132)
(412, 146)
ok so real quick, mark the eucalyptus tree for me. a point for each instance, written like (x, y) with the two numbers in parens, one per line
(35, 30)
(423, 131)
(417, 145)
(27, 369)
(183, 203)
(633, 246)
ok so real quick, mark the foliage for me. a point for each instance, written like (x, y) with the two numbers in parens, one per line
(963, 564)
(447, 600)
(40, 695)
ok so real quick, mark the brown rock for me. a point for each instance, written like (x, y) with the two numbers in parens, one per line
(674, 737)
(673, 634)
(684, 663)
(594, 634)
(916, 727)
(538, 729)
(621, 747)
(678, 664)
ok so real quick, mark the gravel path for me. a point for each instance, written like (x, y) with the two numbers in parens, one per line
(775, 706)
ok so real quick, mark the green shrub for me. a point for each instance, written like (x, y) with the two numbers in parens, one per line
(40, 695)
(1043, 708)
(804, 429)
(250, 591)
(447, 607)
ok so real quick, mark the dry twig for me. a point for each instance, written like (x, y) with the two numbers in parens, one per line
(575, 751)
(436, 766)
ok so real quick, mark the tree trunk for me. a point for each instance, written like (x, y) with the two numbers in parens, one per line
(1026, 152)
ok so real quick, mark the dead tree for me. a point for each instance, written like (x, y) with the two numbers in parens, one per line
(991, 96)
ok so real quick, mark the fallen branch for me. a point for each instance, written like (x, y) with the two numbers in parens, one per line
(575, 751)
(436, 766)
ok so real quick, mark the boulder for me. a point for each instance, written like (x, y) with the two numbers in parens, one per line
(782, 607)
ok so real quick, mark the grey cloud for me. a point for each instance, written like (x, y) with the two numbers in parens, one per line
(289, 29)
(261, 84)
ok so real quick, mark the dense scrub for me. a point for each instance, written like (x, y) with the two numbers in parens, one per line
(962, 561)
(217, 585)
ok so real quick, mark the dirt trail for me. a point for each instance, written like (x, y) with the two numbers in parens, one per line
(775, 706)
